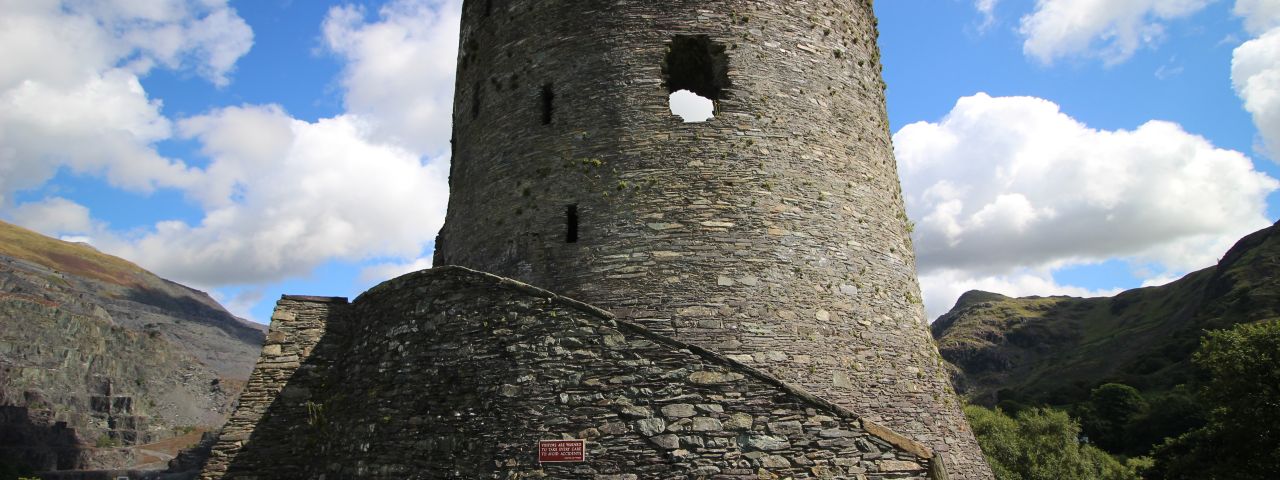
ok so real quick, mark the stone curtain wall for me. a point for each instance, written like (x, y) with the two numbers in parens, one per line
(293, 359)
(451, 373)
(774, 233)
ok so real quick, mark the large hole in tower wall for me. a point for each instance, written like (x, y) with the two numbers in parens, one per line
(696, 73)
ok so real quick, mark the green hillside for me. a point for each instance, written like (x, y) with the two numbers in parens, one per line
(1055, 350)
(73, 258)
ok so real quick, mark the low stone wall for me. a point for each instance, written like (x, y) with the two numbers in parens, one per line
(452, 373)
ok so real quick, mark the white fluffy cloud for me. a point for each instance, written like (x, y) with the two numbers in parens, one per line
(58, 42)
(400, 69)
(1003, 186)
(1259, 15)
(69, 90)
(387, 271)
(53, 216)
(1255, 70)
(942, 287)
(1110, 29)
(292, 197)
(280, 195)
(105, 125)
(988, 10)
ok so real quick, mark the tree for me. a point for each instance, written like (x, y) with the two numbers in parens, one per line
(1107, 417)
(1171, 414)
(1241, 439)
(1041, 444)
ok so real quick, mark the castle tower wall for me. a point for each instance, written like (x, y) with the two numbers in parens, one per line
(774, 233)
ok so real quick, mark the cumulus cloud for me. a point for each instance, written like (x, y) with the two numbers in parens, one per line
(241, 303)
(104, 125)
(280, 195)
(942, 287)
(1255, 71)
(69, 90)
(292, 197)
(400, 69)
(1006, 185)
(387, 271)
(1109, 29)
(54, 216)
(988, 10)
(1259, 15)
(203, 35)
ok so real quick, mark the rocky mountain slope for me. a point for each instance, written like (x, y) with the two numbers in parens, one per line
(1055, 349)
(99, 357)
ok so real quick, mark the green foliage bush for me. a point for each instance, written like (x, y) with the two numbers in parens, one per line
(1241, 438)
(1107, 416)
(1041, 444)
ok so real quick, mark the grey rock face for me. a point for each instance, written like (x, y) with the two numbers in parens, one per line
(97, 362)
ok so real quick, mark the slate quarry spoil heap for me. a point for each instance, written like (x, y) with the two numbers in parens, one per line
(734, 298)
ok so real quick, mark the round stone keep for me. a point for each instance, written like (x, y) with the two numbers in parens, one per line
(773, 233)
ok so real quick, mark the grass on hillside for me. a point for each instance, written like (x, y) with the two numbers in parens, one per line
(67, 257)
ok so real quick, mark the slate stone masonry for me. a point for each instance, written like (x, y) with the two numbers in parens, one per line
(280, 380)
(452, 373)
(774, 234)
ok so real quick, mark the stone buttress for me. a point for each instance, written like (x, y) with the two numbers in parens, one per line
(288, 366)
(773, 234)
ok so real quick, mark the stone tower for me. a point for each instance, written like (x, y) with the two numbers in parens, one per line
(774, 233)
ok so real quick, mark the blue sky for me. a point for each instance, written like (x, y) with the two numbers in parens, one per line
(255, 148)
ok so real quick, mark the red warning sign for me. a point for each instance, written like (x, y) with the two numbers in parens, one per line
(562, 451)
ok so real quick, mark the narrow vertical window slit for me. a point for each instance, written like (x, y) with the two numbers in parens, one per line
(571, 224)
(548, 103)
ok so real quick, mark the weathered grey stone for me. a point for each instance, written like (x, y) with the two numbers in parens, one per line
(739, 421)
(774, 461)
(713, 377)
(678, 410)
(667, 441)
(766, 442)
(705, 424)
(633, 411)
(785, 428)
(898, 466)
(651, 426)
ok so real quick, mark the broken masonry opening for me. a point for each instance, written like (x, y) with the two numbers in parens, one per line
(696, 74)
(548, 103)
(571, 224)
